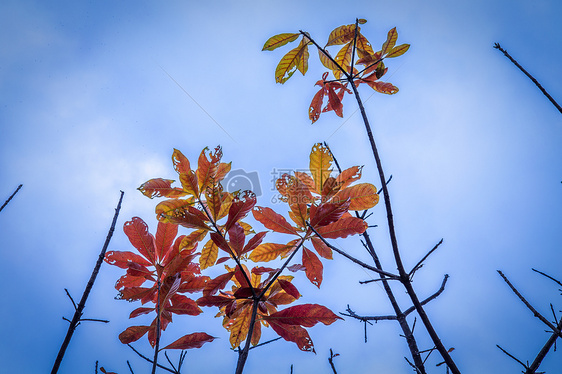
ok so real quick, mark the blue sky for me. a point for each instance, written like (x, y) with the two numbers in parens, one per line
(474, 148)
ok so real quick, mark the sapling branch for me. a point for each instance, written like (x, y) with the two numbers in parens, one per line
(420, 263)
(353, 259)
(81, 305)
(151, 361)
(498, 47)
(11, 197)
(554, 329)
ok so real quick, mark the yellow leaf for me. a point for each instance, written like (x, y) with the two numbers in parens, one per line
(279, 40)
(390, 41)
(209, 254)
(398, 50)
(327, 61)
(341, 35)
(362, 21)
(287, 66)
(343, 58)
(269, 251)
(364, 48)
(302, 63)
(239, 327)
(320, 165)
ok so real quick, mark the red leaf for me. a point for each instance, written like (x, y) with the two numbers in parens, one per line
(293, 333)
(313, 267)
(165, 235)
(316, 105)
(289, 288)
(296, 267)
(254, 242)
(218, 301)
(273, 221)
(306, 315)
(184, 305)
(123, 259)
(216, 284)
(237, 237)
(193, 284)
(133, 333)
(137, 232)
(342, 228)
(181, 163)
(327, 213)
(189, 341)
(240, 207)
(139, 311)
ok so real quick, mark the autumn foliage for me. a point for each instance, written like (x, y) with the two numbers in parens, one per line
(216, 232)
(356, 60)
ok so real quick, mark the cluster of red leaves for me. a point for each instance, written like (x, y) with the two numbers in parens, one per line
(356, 51)
(166, 262)
(216, 218)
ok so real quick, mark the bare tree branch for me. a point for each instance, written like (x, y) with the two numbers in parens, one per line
(498, 47)
(80, 308)
(11, 197)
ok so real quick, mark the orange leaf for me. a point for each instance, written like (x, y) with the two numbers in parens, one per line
(254, 242)
(270, 251)
(189, 341)
(320, 165)
(189, 242)
(342, 228)
(364, 47)
(208, 167)
(279, 40)
(313, 267)
(349, 175)
(272, 220)
(362, 196)
(209, 254)
(383, 87)
(316, 105)
(321, 247)
(159, 187)
(342, 35)
(181, 163)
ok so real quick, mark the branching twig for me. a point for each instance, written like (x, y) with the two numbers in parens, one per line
(149, 360)
(420, 263)
(80, 308)
(498, 47)
(331, 360)
(530, 307)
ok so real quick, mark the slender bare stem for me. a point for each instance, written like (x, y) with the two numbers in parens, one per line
(11, 197)
(498, 47)
(80, 308)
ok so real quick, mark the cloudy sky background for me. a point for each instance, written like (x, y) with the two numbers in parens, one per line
(89, 109)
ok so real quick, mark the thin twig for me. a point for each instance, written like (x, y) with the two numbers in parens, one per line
(420, 263)
(530, 307)
(513, 357)
(353, 259)
(82, 303)
(71, 299)
(548, 276)
(11, 197)
(331, 360)
(498, 47)
(264, 343)
(130, 368)
(149, 360)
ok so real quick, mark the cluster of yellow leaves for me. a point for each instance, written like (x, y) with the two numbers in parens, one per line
(355, 62)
